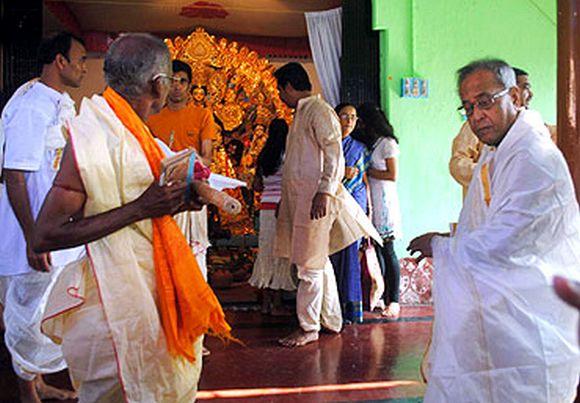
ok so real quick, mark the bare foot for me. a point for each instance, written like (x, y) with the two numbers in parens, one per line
(46, 391)
(393, 311)
(299, 338)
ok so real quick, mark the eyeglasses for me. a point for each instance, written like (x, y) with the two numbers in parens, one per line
(164, 76)
(483, 103)
(347, 116)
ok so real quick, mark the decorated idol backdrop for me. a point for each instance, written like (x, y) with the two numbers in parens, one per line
(239, 87)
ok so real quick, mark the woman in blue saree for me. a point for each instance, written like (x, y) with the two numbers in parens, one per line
(346, 263)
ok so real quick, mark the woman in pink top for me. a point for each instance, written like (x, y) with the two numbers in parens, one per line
(271, 273)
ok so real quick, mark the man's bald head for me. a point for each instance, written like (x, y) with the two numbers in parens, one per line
(133, 60)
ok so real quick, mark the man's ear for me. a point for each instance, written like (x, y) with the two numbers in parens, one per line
(60, 61)
(516, 96)
(156, 89)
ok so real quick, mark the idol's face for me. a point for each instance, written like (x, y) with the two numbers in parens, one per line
(198, 94)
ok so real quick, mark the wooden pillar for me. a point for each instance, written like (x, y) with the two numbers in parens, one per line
(569, 86)
(359, 65)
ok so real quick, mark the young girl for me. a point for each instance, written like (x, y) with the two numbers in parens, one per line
(271, 273)
(378, 135)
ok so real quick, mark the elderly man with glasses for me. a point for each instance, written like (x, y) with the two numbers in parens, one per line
(467, 147)
(500, 333)
(130, 315)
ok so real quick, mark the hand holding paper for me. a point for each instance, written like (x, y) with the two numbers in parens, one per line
(186, 167)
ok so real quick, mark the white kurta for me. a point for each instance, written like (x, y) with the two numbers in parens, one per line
(384, 195)
(500, 332)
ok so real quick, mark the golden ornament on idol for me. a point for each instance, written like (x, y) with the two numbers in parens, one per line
(239, 87)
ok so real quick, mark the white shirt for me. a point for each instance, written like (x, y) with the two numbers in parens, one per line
(32, 124)
(384, 195)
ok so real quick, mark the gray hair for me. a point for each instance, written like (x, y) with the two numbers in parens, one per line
(133, 60)
(503, 72)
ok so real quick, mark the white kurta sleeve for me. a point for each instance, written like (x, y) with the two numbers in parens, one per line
(524, 218)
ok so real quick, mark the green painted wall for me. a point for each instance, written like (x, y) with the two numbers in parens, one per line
(431, 39)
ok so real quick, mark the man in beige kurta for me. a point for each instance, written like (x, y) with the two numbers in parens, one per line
(464, 156)
(317, 217)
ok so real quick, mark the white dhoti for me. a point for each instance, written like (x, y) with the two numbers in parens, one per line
(94, 376)
(88, 347)
(193, 224)
(24, 302)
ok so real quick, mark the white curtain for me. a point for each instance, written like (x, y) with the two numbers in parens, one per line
(325, 37)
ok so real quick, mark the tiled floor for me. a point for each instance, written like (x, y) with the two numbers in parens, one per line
(375, 361)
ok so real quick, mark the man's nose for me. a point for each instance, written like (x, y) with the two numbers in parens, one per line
(477, 113)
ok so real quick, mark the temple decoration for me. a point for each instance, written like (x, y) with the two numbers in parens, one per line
(239, 87)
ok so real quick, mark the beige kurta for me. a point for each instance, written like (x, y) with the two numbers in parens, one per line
(314, 163)
(120, 271)
(464, 156)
